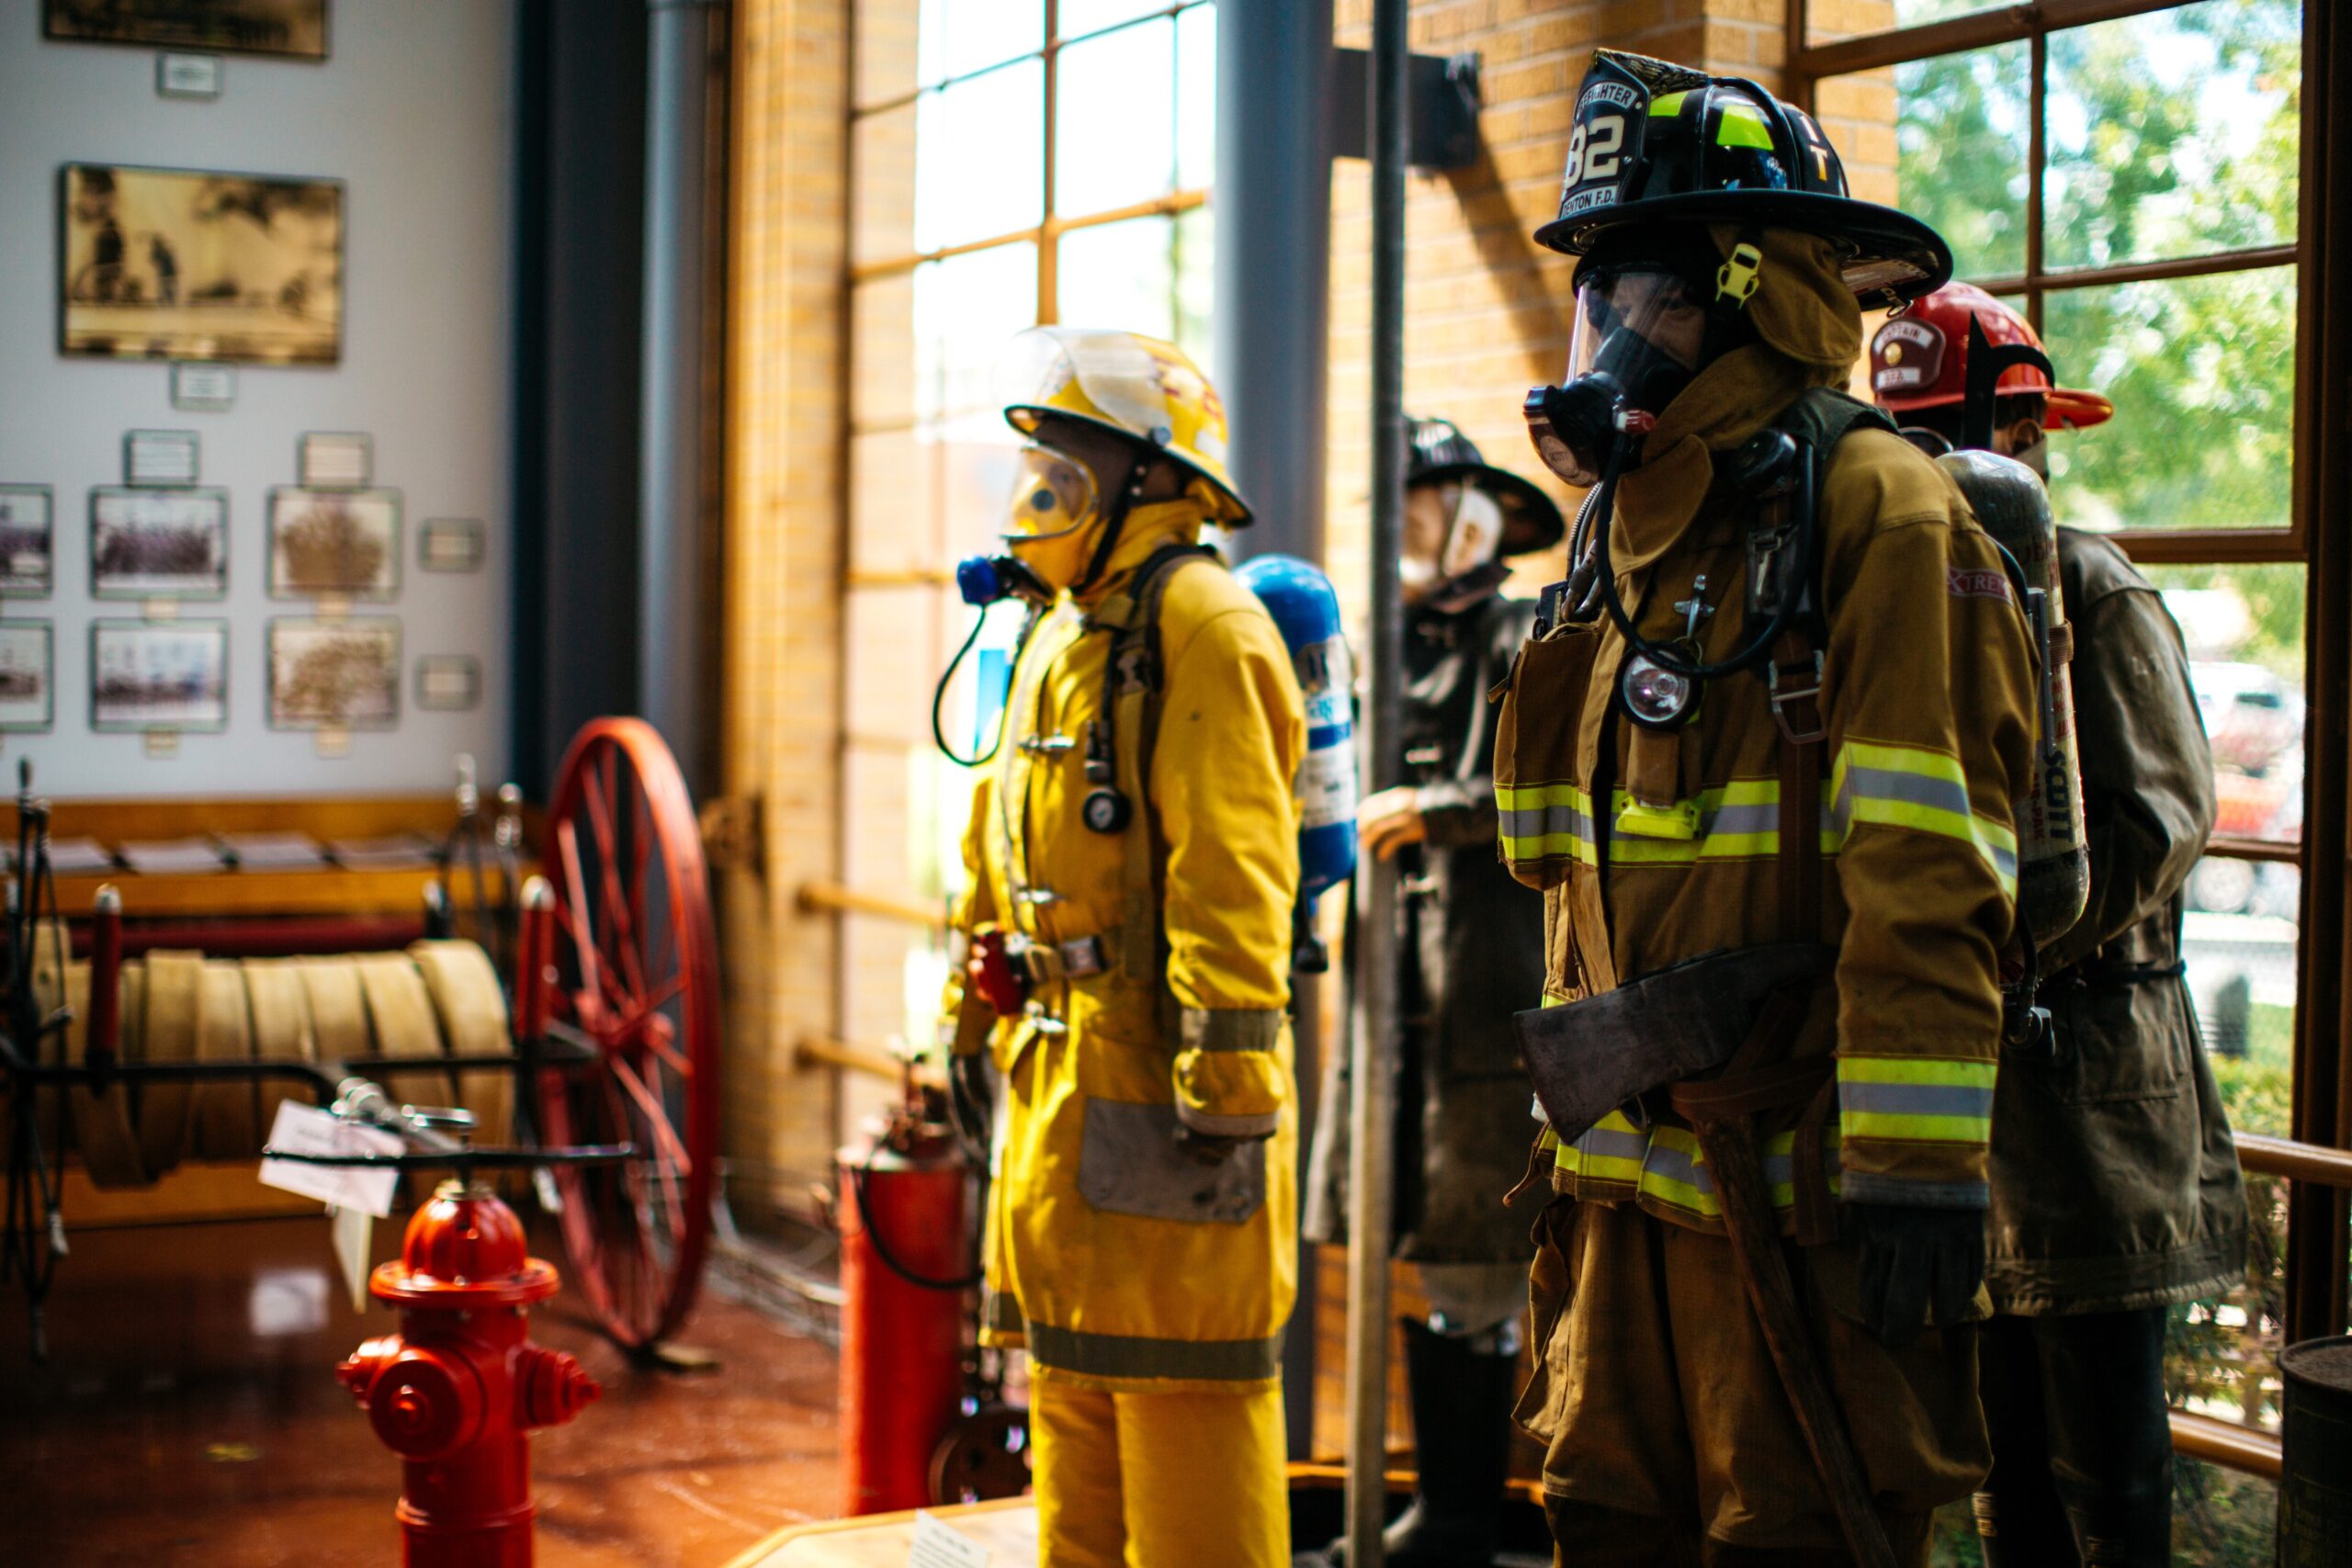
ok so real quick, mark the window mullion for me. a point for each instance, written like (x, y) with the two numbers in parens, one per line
(2037, 174)
(1049, 246)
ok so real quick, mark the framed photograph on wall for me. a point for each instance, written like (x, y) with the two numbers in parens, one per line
(330, 543)
(179, 264)
(335, 674)
(159, 543)
(159, 675)
(28, 676)
(291, 28)
(27, 542)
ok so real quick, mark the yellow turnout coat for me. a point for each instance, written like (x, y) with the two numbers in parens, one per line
(1121, 1261)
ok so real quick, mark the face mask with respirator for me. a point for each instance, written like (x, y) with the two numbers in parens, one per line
(1643, 331)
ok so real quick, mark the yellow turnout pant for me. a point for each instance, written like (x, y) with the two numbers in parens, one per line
(1160, 1479)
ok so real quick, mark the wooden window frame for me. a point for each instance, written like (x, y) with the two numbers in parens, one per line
(1053, 225)
(2320, 536)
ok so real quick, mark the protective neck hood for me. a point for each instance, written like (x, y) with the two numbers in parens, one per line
(1148, 526)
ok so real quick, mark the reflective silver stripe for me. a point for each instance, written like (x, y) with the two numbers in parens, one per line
(1231, 1029)
(1540, 821)
(1764, 818)
(1609, 1143)
(1862, 1187)
(1227, 1126)
(1129, 1356)
(1674, 1165)
(1916, 1099)
(1861, 783)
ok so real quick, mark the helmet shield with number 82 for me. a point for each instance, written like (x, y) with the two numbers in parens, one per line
(1654, 142)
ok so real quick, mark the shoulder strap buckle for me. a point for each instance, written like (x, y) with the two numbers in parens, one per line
(1794, 693)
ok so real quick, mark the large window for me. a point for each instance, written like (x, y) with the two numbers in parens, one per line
(1012, 161)
(2129, 176)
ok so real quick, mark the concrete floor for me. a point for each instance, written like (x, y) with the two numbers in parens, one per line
(189, 1415)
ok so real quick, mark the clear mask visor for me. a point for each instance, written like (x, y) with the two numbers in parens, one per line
(1053, 497)
(1640, 334)
(1645, 327)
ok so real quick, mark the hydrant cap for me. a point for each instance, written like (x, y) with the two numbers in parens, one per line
(465, 1247)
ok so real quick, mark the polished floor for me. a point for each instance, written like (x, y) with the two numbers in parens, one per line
(189, 1415)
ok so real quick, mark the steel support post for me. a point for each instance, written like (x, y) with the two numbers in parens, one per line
(1372, 1113)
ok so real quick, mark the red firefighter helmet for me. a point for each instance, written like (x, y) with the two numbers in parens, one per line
(1919, 360)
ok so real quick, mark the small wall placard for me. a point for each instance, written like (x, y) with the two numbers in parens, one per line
(203, 388)
(337, 461)
(449, 683)
(187, 75)
(27, 542)
(450, 543)
(160, 457)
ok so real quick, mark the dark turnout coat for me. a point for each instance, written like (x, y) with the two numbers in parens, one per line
(2115, 1182)
(1473, 941)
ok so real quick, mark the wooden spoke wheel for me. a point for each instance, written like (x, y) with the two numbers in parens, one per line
(634, 972)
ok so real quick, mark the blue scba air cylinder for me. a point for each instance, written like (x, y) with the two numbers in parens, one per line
(1299, 597)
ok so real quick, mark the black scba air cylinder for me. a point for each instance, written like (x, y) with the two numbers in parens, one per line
(2315, 1489)
(2053, 854)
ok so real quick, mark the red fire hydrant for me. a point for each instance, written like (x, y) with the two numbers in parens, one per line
(456, 1390)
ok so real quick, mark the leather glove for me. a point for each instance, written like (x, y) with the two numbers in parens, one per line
(1208, 1148)
(1920, 1266)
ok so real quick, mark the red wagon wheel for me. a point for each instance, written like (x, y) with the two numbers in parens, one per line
(635, 972)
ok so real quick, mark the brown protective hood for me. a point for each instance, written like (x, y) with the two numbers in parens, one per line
(1809, 332)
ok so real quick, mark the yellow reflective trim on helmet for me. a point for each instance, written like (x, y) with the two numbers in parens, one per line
(1669, 103)
(1742, 126)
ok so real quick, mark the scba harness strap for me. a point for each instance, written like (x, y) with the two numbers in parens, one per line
(1119, 752)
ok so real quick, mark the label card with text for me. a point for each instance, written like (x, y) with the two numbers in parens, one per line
(337, 461)
(203, 388)
(306, 1129)
(939, 1544)
(159, 458)
(187, 75)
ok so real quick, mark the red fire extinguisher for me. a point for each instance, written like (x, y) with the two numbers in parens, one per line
(906, 1267)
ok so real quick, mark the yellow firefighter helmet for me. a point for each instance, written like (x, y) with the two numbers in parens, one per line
(1140, 388)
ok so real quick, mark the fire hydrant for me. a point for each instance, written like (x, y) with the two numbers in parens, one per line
(456, 1392)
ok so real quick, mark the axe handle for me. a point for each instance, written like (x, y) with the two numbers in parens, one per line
(1730, 1147)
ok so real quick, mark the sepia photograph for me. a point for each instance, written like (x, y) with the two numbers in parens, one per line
(335, 674)
(159, 675)
(27, 541)
(27, 693)
(177, 264)
(327, 543)
(159, 543)
(294, 29)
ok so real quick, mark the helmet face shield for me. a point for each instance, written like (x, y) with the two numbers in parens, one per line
(1053, 497)
(1640, 335)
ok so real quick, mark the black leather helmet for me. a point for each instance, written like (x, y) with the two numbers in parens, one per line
(1656, 142)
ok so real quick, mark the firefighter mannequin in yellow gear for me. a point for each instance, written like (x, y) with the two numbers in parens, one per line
(1751, 725)
(1131, 865)
(2115, 1189)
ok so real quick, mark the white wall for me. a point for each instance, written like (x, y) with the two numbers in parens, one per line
(414, 111)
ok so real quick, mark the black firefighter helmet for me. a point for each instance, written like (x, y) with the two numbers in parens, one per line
(1657, 142)
(1437, 451)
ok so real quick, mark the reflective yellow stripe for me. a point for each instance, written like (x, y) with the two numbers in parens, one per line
(1667, 103)
(1874, 783)
(1916, 1099)
(1666, 1163)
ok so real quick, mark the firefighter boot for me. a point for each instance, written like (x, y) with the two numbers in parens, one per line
(1462, 1400)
